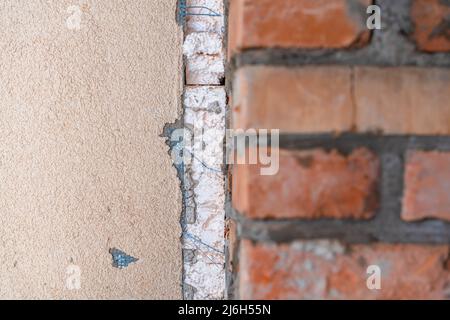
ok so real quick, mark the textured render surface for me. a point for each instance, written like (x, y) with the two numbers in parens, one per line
(82, 166)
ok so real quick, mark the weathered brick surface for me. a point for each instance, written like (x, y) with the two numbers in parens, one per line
(280, 81)
(308, 99)
(330, 270)
(297, 23)
(403, 100)
(427, 186)
(431, 25)
(310, 184)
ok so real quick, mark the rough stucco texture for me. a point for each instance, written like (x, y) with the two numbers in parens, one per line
(82, 166)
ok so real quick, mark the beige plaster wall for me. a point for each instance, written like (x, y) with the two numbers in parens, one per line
(82, 166)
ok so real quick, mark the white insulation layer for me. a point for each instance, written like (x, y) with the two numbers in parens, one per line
(204, 118)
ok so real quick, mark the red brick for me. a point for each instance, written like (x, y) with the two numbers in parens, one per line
(427, 186)
(330, 270)
(405, 100)
(431, 25)
(316, 99)
(310, 184)
(297, 24)
(293, 99)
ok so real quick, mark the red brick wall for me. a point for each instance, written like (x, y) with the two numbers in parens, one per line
(364, 174)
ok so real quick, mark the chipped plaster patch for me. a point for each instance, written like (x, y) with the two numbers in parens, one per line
(121, 259)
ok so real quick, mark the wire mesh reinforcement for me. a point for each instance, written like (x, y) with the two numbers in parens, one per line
(184, 10)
